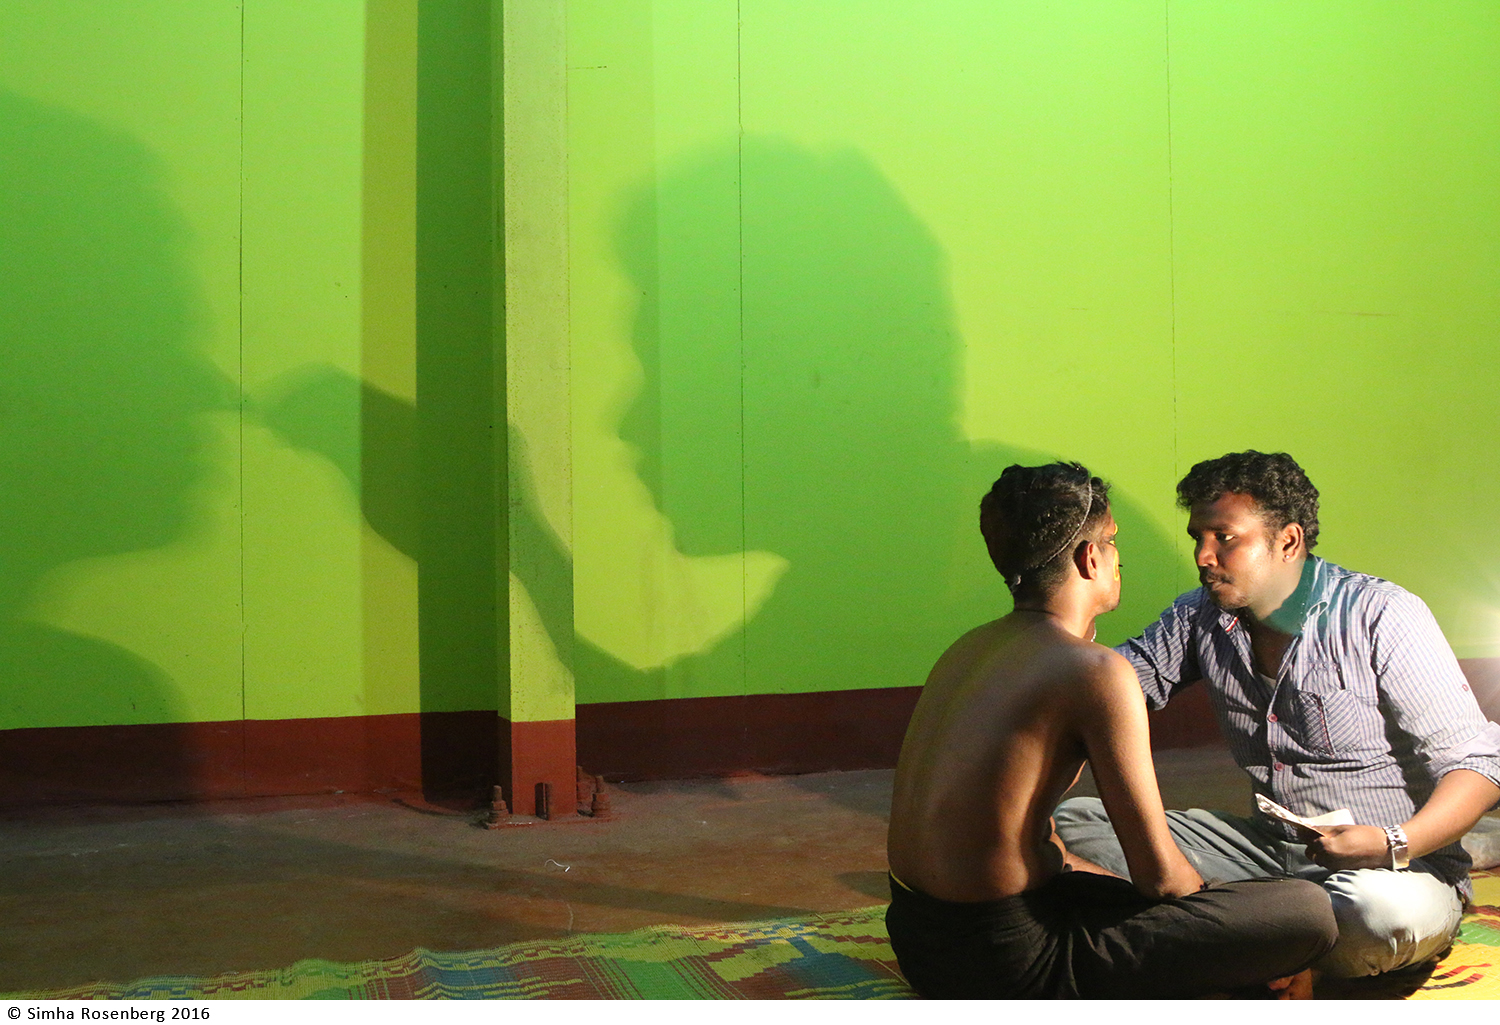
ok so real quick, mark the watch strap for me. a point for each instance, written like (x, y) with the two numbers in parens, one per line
(1395, 843)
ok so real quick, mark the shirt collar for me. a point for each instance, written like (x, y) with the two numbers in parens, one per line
(1319, 593)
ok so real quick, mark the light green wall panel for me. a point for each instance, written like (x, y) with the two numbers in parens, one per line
(956, 257)
(1337, 230)
(171, 559)
(387, 442)
(832, 266)
(119, 310)
(940, 245)
(534, 368)
(1133, 234)
(680, 242)
(662, 580)
(456, 221)
(303, 120)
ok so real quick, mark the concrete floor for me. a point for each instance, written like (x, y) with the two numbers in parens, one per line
(114, 894)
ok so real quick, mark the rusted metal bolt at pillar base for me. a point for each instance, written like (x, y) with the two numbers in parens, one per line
(583, 790)
(499, 811)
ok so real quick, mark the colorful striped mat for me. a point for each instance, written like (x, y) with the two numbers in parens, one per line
(833, 956)
(1471, 971)
(845, 955)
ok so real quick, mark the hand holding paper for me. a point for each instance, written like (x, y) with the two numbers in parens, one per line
(1308, 829)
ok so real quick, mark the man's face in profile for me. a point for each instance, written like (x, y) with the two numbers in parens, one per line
(1109, 554)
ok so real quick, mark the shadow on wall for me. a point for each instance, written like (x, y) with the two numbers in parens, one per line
(854, 466)
(102, 402)
(851, 465)
(369, 435)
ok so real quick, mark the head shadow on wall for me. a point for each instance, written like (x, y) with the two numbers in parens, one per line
(826, 300)
(102, 435)
(850, 462)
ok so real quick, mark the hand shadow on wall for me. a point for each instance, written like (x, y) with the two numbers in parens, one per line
(102, 402)
(854, 466)
(369, 435)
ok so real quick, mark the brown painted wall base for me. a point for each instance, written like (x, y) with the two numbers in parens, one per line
(466, 753)
(681, 737)
(789, 733)
(859, 729)
(440, 752)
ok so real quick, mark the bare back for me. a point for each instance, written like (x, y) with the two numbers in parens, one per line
(1006, 720)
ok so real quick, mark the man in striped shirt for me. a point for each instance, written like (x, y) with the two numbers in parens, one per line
(1335, 690)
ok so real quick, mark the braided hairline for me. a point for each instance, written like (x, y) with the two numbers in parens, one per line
(1020, 510)
(1073, 537)
(1013, 580)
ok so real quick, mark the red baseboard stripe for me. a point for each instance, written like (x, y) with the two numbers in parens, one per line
(682, 737)
(857, 729)
(439, 752)
(446, 753)
(789, 733)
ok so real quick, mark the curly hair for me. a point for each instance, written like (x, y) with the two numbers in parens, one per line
(1033, 518)
(1273, 479)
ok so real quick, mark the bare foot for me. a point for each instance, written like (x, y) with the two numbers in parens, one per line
(1293, 987)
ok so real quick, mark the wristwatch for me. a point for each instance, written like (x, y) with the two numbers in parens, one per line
(1395, 842)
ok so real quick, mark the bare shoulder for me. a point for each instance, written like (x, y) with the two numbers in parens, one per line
(1100, 674)
(965, 650)
(1091, 661)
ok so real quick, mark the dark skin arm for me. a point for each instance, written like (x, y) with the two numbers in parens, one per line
(1118, 741)
(1455, 805)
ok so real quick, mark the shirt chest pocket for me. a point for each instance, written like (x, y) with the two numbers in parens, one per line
(1327, 716)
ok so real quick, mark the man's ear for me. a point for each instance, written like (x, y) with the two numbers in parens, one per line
(1291, 539)
(1086, 558)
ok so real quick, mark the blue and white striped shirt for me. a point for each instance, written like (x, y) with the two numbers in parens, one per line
(1368, 712)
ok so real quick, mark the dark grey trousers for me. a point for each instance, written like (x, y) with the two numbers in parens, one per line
(1085, 935)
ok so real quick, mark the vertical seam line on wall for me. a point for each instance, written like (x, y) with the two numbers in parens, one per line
(567, 311)
(1172, 263)
(739, 149)
(244, 754)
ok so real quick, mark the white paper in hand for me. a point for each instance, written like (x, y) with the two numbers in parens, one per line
(1307, 828)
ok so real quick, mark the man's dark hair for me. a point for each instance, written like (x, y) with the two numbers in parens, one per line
(1033, 520)
(1273, 479)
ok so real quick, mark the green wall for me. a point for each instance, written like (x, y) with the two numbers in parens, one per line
(835, 265)
(208, 245)
(829, 268)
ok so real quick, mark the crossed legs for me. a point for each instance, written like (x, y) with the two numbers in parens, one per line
(1387, 920)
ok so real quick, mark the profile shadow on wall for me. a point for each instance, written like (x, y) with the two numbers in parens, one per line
(847, 457)
(816, 417)
(102, 429)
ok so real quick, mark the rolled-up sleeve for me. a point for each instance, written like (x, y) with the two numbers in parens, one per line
(1163, 655)
(1421, 684)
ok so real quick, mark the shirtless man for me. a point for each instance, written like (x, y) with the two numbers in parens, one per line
(986, 900)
